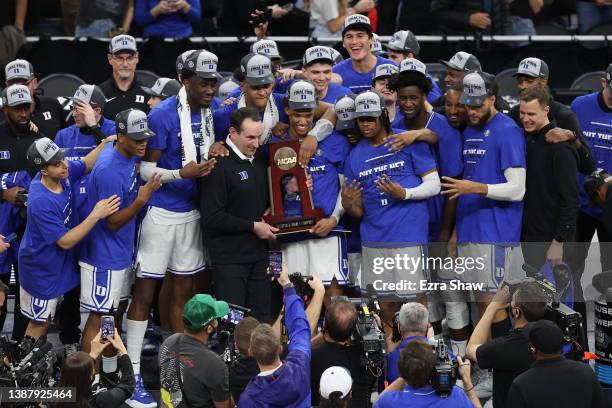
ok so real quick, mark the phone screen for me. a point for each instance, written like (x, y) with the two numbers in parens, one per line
(276, 263)
(108, 327)
(233, 317)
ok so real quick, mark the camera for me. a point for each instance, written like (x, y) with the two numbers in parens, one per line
(444, 374)
(222, 341)
(302, 288)
(368, 335)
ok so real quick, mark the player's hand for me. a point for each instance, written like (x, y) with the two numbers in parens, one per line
(555, 253)
(397, 142)
(309, 182)
(307, 149)
(152, 185)
(479, 20)
(218, 149)
(288, 74)
(3, 245)
(558, 135)
(10, 195)
(351, 193)
(97, 346)
(385, 185)
(109, 139)
(163, 7)
(194, 170)
(117, 343)
(324, 226)
(89, 115)
(33, 127)
(465, 372)
(229, 101)
(182, 5)
(106, 207)
(279, 129)
(316, 284)
(456, 188)
(264, 230)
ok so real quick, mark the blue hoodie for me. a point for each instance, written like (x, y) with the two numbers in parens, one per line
(175, 25)
(289, 385)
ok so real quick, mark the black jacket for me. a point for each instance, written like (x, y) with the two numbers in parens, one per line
(565, 118)
(48, 116)
(454, 16)
(234, 196)
(118, 101)
(14, 148)
(115, 397)
(551, 197)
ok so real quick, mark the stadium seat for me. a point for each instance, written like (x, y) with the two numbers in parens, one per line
(437, 71)
(551, 28)
(507, 86)
(601, 29)
(61, 84)
(591, 81)
(147, 78)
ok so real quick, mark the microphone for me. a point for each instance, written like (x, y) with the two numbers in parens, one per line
(34, 355)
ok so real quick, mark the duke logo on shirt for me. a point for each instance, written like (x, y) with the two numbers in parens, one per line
(243, 175)
(5, 155)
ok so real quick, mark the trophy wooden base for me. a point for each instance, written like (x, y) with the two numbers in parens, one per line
(294, 224)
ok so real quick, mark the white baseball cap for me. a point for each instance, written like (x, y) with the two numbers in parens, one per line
(369, 104)
(317, 53)
(532, 67)
(269, 48)
(225, 86)
(357, 22)
(19, 69)
(413, 64)
(16, 95)
(404, 41)
(122, 42)
(163, 88)
(476, 88)
(376, 47)
(204, 64)
(90, 94)
(385, 70)
(301, 95)
(335, 379)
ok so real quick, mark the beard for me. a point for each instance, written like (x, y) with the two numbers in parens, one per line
(482, 121)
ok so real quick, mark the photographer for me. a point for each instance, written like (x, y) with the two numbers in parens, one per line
(335, 391)
(553, 381)
(79, 369)
(286, 383)
(414, 389)
(245, 367)
(191, 374)
(333, 347)
(507, 353)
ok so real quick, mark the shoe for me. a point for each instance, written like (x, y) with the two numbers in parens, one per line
(484, 387)
(141, 398)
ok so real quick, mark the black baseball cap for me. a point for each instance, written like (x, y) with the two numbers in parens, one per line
(545, 336)
(463, 61)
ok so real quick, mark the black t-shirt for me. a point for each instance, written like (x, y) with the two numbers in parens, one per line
(556, 383)
(240, 373)
(508, 356)
(14, 149)
(118, 101)
(332, 354)
(48, 116)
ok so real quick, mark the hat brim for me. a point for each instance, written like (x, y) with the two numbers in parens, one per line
(345, 124)
(18, 103)
(358, 27)
(475, 101)
(25, 78)
(209, 75)
(145, 134)
(451, 66)
(58, 157)
(320, 60)
(529, 74)
(367, 114)
(302, 105)
(149, 91)
(73, 99)
(117, 51)
(266, 80)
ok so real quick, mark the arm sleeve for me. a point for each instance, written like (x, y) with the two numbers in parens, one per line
(513, 189)
(142, 13)
(322, 129)
(221, 122)
(565, 169)
(296, 321)
(338, 209)
(115, 396)
(147, 169)
(195, 12)
(443, 10)
(215, 197)
(429, 187)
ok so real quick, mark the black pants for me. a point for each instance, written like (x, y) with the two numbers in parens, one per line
(69, 317)
(534, 254)
(20, 322)
(244, 285)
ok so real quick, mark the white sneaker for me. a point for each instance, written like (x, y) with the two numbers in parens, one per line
(484, 386)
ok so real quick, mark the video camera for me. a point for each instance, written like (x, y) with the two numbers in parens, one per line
(223, 339)
(302, 288)
(444, 374)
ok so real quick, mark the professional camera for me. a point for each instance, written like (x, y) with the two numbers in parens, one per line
(302, 288)
(368, 334)
(223, 339)
(444, 374)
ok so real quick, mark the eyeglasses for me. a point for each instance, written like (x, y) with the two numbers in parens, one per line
(123, 60)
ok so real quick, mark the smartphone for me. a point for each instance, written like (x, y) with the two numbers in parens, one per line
(276, 263)
(263, 18)
(234, 316)
(10, 237)
(108, 327)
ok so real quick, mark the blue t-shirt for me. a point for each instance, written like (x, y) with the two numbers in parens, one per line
(334, 91)
(393, 357)
(596, 122)
(358, 82)
(80, 145)
(487, 153)
(11, 220)
(435, 92)
(46, 271)
(424, 397)
(449, 162)
(385, 218)
(113, 174)
(221, 116)
(180, 195)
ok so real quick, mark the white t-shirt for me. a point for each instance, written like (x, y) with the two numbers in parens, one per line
(322, 11)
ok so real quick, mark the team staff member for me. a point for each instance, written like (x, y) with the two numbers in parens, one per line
(46, 256)
(47, 114)
(170, 236)
(236, 235)
(123, 90)
(162, 89)
(551, 196)
(107, 253)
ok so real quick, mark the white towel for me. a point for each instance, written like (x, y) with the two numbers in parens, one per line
(207, 131)
(270, 118)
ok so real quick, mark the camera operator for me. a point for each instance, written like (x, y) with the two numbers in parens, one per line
(335, 391)
(286, 383)
(507, 353)
(79, 369)
(414, 389)
(553, 381)
(191, 374)
(333, 347)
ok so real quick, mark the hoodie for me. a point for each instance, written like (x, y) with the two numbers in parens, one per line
(289, 385)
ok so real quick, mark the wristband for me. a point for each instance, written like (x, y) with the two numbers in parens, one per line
(176, 174)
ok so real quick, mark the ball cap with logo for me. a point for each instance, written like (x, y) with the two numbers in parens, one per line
(385, 70)
(404, 41)
(44, 151)
(19, 69)
(225, 86)
(413, 64)
(369, 104)
(345, 112)
(122, 42)
(204, 64)
(301, 95)
(609, 75)
(338, 58)
(477, 88)
(257, 69)
(133, 123)
(376, 48)
(181, 59)
(357, 22)
(318, 53)
(90, 94)
(335, 379)
(545, 336)
(269, 48)
(463, 61)
(163, 88)
(16, 95)
(532, 67)
(201, 310)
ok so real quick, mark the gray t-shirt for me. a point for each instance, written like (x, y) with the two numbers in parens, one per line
(205, 375)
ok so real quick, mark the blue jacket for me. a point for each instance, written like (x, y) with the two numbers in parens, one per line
(289, 385)
(174, 25)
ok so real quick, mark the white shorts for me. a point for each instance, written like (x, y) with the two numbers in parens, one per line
(38, 310)
(325, 258)
(103, 289)
(491, 264)
(176, 248)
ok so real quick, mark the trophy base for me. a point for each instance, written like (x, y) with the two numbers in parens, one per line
(294, 224)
